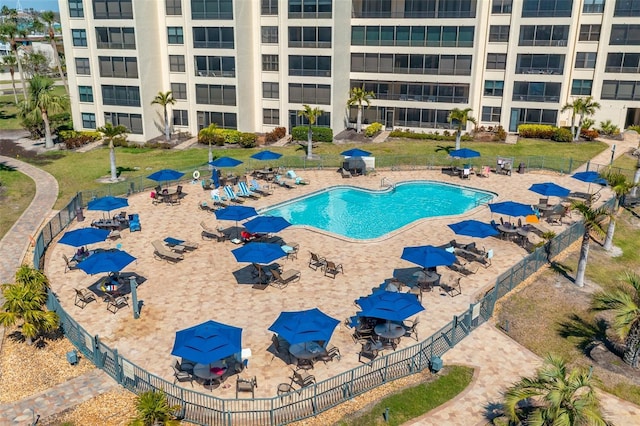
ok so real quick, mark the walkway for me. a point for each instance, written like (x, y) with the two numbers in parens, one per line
(604, 158)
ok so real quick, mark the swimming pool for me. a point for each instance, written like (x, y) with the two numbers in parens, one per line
(364, 214)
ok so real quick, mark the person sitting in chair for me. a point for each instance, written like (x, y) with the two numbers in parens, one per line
(248, 236)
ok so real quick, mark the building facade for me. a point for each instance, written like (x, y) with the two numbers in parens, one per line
(251, 64)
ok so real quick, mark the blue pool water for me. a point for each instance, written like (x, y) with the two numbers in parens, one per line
(363, 214)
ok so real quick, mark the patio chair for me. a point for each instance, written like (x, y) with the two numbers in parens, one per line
(332, 353)
(466, 173)
(281, 280)
(452, 287)
(246, 385)
(83, 297)
(181, 376)
(316, 261)
(362, 334)
(345, 173)
(462, 267)
(543, 202)
(244, 191)
(160, 252)
(206, 185)
(282, 183)
(281, 348)
(212, 234)
(297, 179)
(260, 189)
(231, 195)
(114, 303)
(185, 365)
(69, 264)
(302, 378)
(217, 199)
(370, 350)
(331, 269)
(485, 171)
(304, 364)
(411, 330)
(134, 222)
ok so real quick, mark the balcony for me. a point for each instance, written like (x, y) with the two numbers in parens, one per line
(537, 70)
(535, 98)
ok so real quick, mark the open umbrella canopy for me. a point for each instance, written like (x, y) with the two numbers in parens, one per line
(207, 342)
(304, 326)
(225, 162)
(428, 256)
(266, 224)
(262, 253)
(473, 228)
(590, 177)
(84, 236)
(390, 306)
(511, 208)
(549, 189)
(235, 213)
(106, 261)
(464, 153)
(107, 203)
(355, 152)
(266, 155)
(165, 175)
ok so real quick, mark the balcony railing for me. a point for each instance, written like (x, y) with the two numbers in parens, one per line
(617, 69)
(310, 15)
(107, 45)
(216, 73)
(542, 42)
(213, 44)
(535, 98)
(311, 44)
(310, 73)
(413, 14)
(121, 102)
(536, 70)
(209, 15)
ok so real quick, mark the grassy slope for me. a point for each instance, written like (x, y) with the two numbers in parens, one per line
(16, 193)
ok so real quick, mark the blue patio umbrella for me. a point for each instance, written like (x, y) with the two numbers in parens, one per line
(390, 306)
(266, 155)
(261, 253)
(549, 189)
(82, 237)
(590, 177)
(107, 203)
(225, 162)
(266, 224)
(106, 261)
(428, 256)
(473, 228)
(304, 326)
(464, 153)
(207, 342)
(165, 175)
(355, 152)
(511, 208)
(235, 213)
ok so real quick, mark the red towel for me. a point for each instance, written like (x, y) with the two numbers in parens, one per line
(217, 370)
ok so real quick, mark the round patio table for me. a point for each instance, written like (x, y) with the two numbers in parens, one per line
(210, 371)
(308, 350)
(389, 330)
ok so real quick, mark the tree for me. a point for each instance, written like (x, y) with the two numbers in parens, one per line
(554, 396)
(34, 63)
(24, 304)
(11, 62)
(154, 409)
(49, 18)
(459, 118)
(580, 107)
(311, 114)
(592, 220)
(621, 187)
(358, 96)
(624, 303)
(9, 31)
(164, 99)
(111, 132)
(42, 102)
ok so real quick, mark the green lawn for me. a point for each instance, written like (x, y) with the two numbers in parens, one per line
(16, 192)
(8, 111)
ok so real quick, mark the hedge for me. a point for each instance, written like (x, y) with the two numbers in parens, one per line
(430, 136)
(372, 129)
(318, 134)
(536, 131)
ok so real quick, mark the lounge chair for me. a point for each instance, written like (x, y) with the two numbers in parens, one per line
(331, 269)
(231, 195)
(297, 179)
(485, 171)
(205, 207)
(345, 172)
(281, 280)
(212, 234)
(83, 297)
(114, 303)
(217, 199)
(161, 252)
(462, 267)
(282, 183)
(452, 287)
(260, 189)
(466, 173)
(69, 264)
(187, 245)
(244, 191)
(206, 185)
(316, 261)
(302, 378)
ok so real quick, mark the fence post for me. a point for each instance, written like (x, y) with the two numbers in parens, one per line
(100, 360)
(454, 325)
(570, 165)
(467, 317)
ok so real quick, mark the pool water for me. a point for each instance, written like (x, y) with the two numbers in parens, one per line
(364, 214)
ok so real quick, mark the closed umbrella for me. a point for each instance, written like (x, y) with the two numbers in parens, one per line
(390, 306)
(428, 256)
(261, 253)
(266, 224)
(304, 326)
(511, 208)
(464, 153)
(207, 342)
(473, 228)
(106, 261)
(82, 237)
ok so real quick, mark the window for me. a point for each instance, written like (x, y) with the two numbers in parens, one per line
(176, 63)
(215, 66)
(533, 91)
(82, 66)
(435, 36)
(625, 34)
(547, 8)
(120, 95)
(179, 91)
(499, 33)
(133, 122)
(175, 35)
(309, 94)
(270, 63)
(627, 8)
(540, 63)
(593, 6)
(79, 38)
(310, 9)
(416, 92)
(180, 117)
(270, 90)
(623, 62)
(586, 60)
(411, 64)
(621, 90)
(589, 32)
(536, 116)
(115, 38)
(544, 35)
(581, 87)
(85, 93)
(499, 7)
(118, 66)
(315, 66)
(491, 114)
(269, 35)
(298, 120)
(226, 120)
(213, 37)
(268, 7)
(173, 7)
(271, 116)
(310, 37)
(215, 94)
(76, 9)
(88, 120)
(112, 9)
(493, 87)
(496, 61)
(211, 9)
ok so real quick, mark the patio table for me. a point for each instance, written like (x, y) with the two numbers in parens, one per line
(307, 350)
(210, 371)
(389, 330)
(507, 231)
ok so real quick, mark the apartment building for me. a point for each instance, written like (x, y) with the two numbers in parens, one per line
(251, 64)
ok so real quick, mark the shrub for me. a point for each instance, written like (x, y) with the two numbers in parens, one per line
(428, 136)
(156, 145)
(608, 128)
(587, 123)
(588, 134)
(207, 135)
(635, 127)
(562, 135)
(248, 140)
(318, 134)
(536, 131)
(372, 129)
(501, 134)
(73, 139)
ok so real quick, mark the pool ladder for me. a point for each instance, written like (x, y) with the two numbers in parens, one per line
(387, 183)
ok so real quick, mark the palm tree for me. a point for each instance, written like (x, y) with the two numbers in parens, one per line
(580, 107)
(459, 118)
(9, 31)
(592, 220)
(311, 114)
(42, 102)
(554, 396)
(621, 187)
(10, 62)
(110, 132)
(358, 97)
(164, 99)
(154, 409)
(624, 303)
(49, 18)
